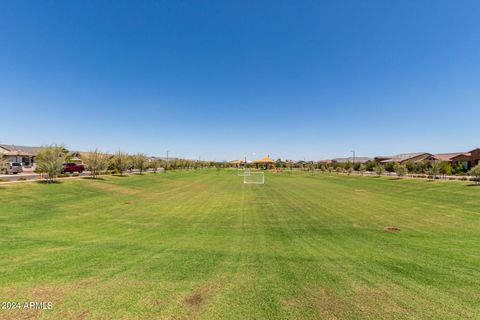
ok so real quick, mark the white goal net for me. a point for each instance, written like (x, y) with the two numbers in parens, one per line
(254, 178)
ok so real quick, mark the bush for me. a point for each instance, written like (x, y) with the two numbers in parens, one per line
(390, 167)
(400, 169)
(22, 179)
(475, 173)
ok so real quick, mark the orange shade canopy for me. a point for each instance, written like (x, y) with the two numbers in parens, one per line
(264, 160)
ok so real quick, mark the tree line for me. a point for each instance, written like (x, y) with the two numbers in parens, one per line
(50, 160)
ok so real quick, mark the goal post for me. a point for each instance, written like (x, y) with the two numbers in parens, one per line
(254, 178)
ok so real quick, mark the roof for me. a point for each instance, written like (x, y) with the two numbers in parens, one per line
(351, 159)
(325, 161)
(266, 159)
(466, 154)
(19, 150)
(447, 156)
(405, 156)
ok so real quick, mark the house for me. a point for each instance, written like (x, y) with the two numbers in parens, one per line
(24, 155)
(406, 158)
(469, 159)
(447, 156)
(352, 160)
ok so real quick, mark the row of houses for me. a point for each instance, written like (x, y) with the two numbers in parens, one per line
(468, 159)
(26, 155)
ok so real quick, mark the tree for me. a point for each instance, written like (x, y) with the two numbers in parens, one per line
(458, 168)
(400, 169)
(390, 167)
(424, 166)
(121, 161)
(370, 165)
(379, 169)
(362, 168)
(411, 167)
(50, 161)
(347, 165)
(279, 163)
(475, 173)
(445, 168)
(434, 170)
(357, 166)
(311, 167)
(3, 164)
(154, 165)
(140, 162)
(95, 161)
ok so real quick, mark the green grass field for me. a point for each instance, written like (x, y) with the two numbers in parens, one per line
(203, 245)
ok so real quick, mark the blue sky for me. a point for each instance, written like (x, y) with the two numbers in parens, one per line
(222, 79)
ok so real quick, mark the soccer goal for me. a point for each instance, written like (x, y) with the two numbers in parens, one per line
(254, 178)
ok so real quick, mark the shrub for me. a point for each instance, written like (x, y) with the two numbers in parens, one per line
(475, 173)
(390, 167)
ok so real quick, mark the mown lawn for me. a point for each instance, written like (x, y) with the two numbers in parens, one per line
(203, 245)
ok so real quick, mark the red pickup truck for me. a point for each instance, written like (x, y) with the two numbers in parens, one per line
(73, 167)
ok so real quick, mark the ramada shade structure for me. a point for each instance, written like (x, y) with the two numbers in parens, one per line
(266, 159)
(238, 163)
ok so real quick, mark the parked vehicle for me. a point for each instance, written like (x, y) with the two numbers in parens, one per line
(13, 168)
(72, 167)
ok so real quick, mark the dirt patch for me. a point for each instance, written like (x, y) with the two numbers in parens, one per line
(193, 300)
(330, 306)
(360, 190)
(53, 294)
(391, 228)
(377, 302)
(127, 202)
(99, 185)
(324, 301)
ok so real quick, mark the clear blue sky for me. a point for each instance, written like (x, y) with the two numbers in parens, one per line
(220, 79)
